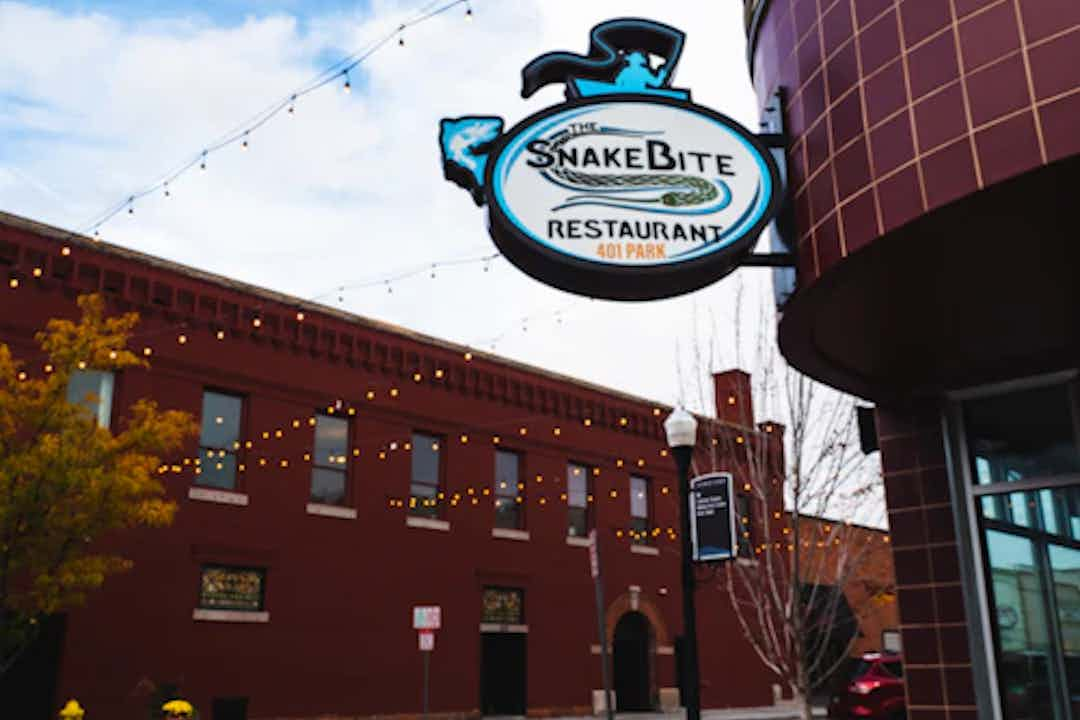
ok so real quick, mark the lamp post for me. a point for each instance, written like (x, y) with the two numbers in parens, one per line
(681, 430)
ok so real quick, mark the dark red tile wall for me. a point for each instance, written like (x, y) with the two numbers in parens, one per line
(933, 622)
(898, 107)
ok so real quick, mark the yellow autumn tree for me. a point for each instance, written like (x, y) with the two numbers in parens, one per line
(65, 480)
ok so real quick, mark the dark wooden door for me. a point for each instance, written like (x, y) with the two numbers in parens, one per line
(502, 674)
(633, 682)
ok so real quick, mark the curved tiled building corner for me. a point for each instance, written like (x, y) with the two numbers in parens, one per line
(898, 107)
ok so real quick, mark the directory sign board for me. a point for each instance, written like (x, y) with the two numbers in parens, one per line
(712, 518)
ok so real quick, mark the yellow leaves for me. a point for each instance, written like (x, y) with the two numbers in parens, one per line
(64, 481)
(95, 341)
(155, 513)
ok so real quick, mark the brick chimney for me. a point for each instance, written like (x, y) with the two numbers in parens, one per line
(734, 402)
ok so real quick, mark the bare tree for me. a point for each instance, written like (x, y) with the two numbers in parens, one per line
(803, 583)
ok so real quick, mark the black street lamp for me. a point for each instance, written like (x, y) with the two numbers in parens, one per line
(681, 429)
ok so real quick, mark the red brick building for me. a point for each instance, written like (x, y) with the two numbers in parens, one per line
(347, 471)
(935, 160)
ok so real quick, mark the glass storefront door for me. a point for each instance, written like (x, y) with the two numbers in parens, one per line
(1065, 572)
(1025, 653)
(1025, 465)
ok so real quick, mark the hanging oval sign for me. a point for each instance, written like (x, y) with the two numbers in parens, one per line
(626, 191)
(629, 196)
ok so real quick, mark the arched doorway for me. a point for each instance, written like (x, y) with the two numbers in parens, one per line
(632, 648)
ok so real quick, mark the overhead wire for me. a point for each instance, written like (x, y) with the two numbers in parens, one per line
(242, 132)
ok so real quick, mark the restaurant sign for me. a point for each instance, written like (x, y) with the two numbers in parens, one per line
(627, 190)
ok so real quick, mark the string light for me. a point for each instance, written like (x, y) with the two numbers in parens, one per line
(347, 87)
(244, 144)
(202, 164)
(292, 105)
(468, 12)
(165, 187)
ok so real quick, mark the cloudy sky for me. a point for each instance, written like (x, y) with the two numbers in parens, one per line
(101, 98)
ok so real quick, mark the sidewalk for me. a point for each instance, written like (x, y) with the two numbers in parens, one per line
(772, 712)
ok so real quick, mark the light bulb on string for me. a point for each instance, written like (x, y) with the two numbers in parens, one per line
(244, 144)
(401, 36)
(347, 87)
(292, 105)
(202, 165)
(165, 187)
(131, 205)
(468, 12)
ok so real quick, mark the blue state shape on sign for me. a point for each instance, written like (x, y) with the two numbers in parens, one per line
(465, 143)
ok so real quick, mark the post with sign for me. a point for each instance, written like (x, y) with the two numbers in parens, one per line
(598, 583)
(426, 620)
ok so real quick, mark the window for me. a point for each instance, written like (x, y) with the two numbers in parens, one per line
(219, 440)
(329, 460)
(93, 389)
(579, 494)
(1021, 435)
(232, 588)
(509, 491)
(503, 606)
(639, 510)
(426, 475)
(744, 525)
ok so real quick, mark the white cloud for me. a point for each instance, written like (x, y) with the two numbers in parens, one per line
(349, 188)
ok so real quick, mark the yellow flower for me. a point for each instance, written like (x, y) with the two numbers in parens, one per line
(72, 710)
(178, 708)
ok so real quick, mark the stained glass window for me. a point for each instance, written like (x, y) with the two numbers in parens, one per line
(503, 606)
(232, 588)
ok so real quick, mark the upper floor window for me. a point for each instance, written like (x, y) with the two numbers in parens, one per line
(639, 510)
(329, 461)
(426, 483)
(93, 389)
(744, 525)
(578, 491)
(219, 439)
(225, 587)
(509, 491)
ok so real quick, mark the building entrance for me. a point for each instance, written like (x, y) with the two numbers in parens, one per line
(502, 673)
(633, 677)
(1024, 465)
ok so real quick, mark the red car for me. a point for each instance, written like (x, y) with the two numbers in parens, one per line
(874, 691)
